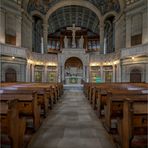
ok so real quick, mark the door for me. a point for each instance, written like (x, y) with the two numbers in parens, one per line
(10, 75)
(135, 76)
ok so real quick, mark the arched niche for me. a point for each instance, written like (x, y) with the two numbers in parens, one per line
(73, 70)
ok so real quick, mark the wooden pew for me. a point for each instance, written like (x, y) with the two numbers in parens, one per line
(133, 122)
(114, 105)
(27, 104)
(11, 124)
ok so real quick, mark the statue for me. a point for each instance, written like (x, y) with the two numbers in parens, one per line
(65, 42)
(81, 42)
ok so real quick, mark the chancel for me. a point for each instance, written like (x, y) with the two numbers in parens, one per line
(73, 73)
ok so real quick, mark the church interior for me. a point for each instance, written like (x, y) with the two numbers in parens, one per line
(73, 73)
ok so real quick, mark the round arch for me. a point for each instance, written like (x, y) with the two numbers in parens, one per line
(37, 13)
(77, 3)
(112, 13)
(73, 62)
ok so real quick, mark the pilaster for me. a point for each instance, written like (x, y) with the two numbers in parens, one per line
(18, 30)
(45, 37)
(32, 68)
(102, 38)
(128, 31)
(28, 72)
(2, 25)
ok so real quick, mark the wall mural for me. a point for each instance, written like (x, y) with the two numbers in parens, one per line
(104, 5)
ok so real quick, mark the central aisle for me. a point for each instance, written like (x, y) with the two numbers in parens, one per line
(71, 124)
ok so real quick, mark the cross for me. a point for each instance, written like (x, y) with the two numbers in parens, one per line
(73, 29)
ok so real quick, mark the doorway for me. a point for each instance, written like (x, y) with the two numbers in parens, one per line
(10, 75)
(135, 76)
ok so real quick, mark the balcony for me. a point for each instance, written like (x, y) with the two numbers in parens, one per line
(140, 50)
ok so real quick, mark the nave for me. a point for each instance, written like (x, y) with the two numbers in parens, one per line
(72, 124)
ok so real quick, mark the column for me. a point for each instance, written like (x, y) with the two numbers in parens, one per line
(114, 73)
(84, 77)
(128, 31)
(87, 73)
(45, 74)
(45, 37)
(101, 71)
(2, 25)
(102, 38)
(28, 72)
(145, 27)
(63, 73)
(146, 73)
(118, 72)
(18, 30)
(32, 68)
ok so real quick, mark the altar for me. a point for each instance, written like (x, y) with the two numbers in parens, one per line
(73, 80)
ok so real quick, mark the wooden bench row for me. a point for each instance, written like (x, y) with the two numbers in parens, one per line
(31, 99)
(110, 102)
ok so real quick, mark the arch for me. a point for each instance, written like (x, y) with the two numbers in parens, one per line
(73, 62)
(74, 2)
(10, 75)
(37, 13)
(135, 75)
(109, 14)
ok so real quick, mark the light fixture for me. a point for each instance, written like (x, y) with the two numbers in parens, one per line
(13, 58)
(115, 62)
(133, 58)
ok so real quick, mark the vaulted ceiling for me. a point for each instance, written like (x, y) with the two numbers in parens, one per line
(80, 16)
(72, 14)
(103, 5)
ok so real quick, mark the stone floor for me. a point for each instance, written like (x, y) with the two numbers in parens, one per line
(72, 124)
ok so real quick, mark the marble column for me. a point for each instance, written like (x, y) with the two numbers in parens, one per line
(18, 30)
(32, 68)
(102, 38)
(118, 72)
(128, 31)
(146, 73)
(27, 72)
(101, 73)
(145, 28)
(2, 25)
(87, 73)
(84, 77)
(45, 37)
(45, 74)
(63, 73)
(114, 73)
(117, 34)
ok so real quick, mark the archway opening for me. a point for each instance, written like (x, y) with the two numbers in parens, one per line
(10, 75)
(135, 76)
(73, 71)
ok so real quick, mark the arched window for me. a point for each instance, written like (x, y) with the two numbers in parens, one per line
(37, 34)
(109, 35)
(135, 76)
(10, 75)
